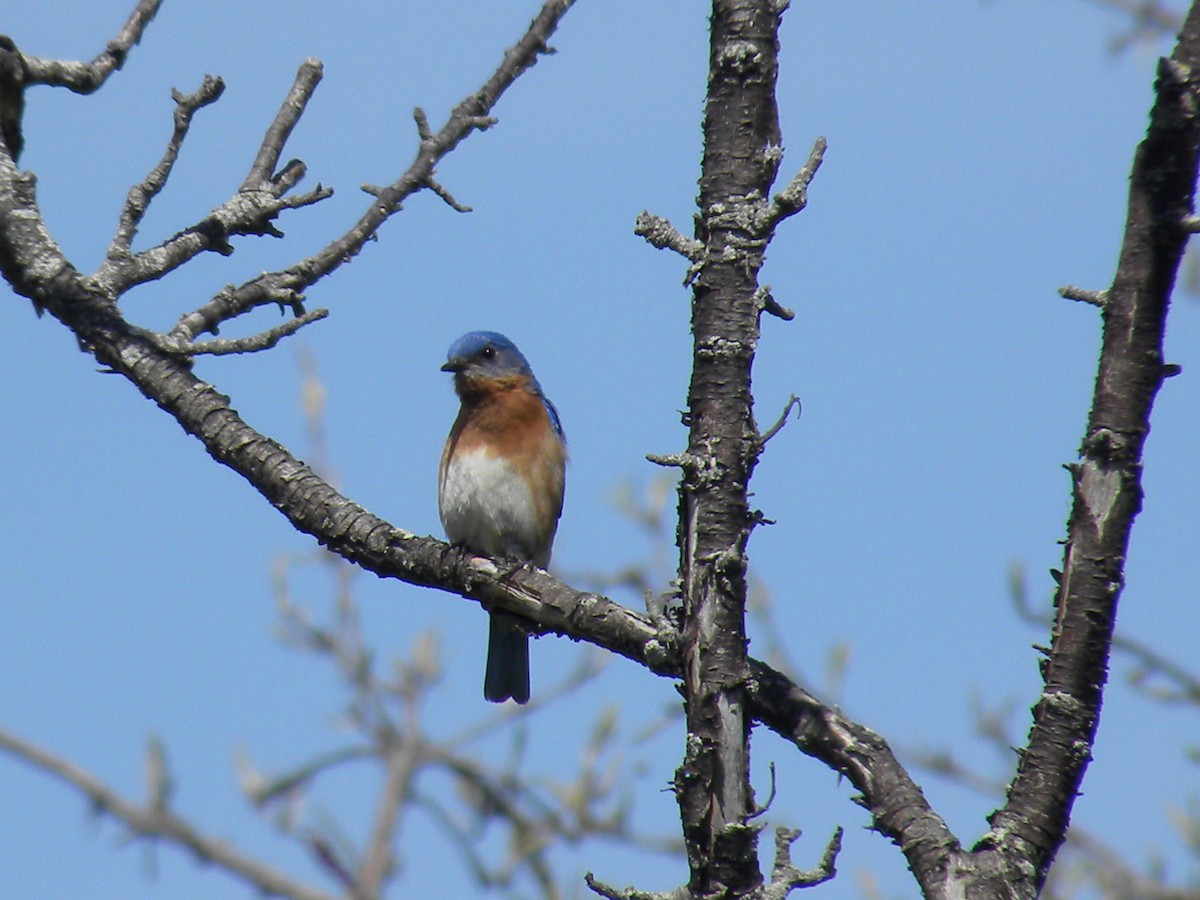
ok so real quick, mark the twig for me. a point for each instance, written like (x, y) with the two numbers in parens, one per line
(85, 78)
(785, 877)
(673, 460)
(261, 791)
(158, 822)
(1100, 864)
(140, 195)
(793, 401)
(1150, 18)
(1095, 298)
(794, 197)
(402, 758)
(588, 668)
(422, 122)
(660, 233)
(472, 114)
(223, 306)
(762, 809)
(265, 340)
(943, 763)
(248, 212)
(1103, 866)
(767, 303)
(437, 188)
(261, 170)
(898, 807)
(630, 893)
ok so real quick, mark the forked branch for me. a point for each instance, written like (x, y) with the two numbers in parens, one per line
(156, 820)
(84, 78)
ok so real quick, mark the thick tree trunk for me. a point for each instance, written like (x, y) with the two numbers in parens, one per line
(741, 137)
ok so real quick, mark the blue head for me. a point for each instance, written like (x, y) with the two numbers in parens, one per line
(484, 356)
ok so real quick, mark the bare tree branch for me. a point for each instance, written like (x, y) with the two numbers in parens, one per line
(84, 78)
(1090, 860)
(725, 691)
(662, 234)
(1151, 666)
(287, 286)
(740, 162)
(139, 197)
(265, 340)
(632, 893)
(1150, 18)
(1094, 298)
(248, 212)
(156, 821)
(793, 403)
(794, 197)
(1107, 480)
(898, 807)
(402, 759)
(768, 304)
(266, 162)
(785, 877)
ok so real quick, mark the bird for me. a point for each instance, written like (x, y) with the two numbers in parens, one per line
(501, 482)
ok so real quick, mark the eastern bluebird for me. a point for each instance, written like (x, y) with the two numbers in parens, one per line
(501, 480)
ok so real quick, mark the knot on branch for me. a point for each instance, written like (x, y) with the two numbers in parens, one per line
(717, 347)
(740, 57)
(743, 219)
(1173, 72)
(1109, 446)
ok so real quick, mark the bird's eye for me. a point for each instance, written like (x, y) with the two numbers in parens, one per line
(488, 352)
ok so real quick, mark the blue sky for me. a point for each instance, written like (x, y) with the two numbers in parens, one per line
(978, 160)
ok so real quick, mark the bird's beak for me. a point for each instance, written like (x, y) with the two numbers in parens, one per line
(455, 365)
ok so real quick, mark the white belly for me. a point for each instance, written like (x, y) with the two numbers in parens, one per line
(487, 506)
